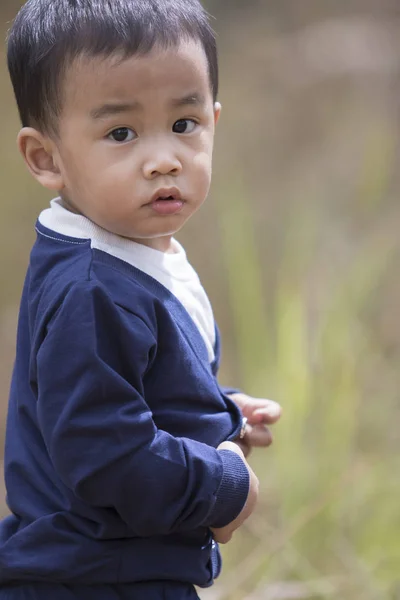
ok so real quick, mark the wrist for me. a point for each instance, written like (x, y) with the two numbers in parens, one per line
(233, 491)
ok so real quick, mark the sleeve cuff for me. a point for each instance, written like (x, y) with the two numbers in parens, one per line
(233, 490)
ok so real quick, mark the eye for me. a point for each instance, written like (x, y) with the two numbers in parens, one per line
(184, 126)
(122, 134)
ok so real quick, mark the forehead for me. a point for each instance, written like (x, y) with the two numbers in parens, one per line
(162, 74)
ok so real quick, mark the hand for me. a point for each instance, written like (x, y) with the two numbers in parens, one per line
(259, 413)
(224, 534)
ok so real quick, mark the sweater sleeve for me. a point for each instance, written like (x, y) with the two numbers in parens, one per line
(100, 434)
(229, 390)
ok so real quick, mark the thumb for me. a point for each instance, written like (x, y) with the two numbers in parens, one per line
(232, 447)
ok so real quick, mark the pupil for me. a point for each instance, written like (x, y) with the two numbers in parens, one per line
(120, 135)
(180, 126)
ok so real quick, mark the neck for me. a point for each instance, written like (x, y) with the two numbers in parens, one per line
(162, 244)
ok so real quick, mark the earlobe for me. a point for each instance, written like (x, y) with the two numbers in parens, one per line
(217, 112)
(38, 153)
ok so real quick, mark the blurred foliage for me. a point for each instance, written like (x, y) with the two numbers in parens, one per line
(299, 249)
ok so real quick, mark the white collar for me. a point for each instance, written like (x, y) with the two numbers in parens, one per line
(61, 220)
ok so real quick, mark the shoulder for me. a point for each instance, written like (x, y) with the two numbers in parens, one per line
(67, 272)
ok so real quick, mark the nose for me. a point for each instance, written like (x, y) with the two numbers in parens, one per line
(161, 161)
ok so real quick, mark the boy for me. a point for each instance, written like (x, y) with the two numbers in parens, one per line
(121, 469)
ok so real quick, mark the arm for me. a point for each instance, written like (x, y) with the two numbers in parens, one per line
(100, 434)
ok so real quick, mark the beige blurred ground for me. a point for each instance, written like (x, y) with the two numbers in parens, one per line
(298, 243)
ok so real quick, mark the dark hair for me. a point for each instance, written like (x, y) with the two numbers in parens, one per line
(48, 35)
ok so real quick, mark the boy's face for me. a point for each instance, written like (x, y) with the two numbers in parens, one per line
(135, 141)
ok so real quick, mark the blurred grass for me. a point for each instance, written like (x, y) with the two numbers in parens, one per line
(329, 514)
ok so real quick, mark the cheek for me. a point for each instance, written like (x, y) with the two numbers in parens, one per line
(74, 166)
(202, 159)
(201, 166)
(85, 172)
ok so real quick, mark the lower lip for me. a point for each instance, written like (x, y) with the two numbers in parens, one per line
(167, 207)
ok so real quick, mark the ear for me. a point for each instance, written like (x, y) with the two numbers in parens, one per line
(217, 112)
(38, 152)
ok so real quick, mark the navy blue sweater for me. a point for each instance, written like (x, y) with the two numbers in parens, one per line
(115, 414)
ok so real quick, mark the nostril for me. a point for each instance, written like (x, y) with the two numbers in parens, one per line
(155, 170)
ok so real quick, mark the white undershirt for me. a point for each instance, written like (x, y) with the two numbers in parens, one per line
(172, 270)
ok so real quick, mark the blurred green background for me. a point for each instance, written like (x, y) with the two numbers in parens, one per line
(298, 247)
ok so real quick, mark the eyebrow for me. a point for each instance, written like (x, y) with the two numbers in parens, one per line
(109, 110)
(190, 100)
(113, 109)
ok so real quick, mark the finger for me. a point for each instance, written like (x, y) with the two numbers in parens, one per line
(244, 446)
(268, 414)
(222, 535)
(258, 410)
(232, 446)
(258, 436)
(223, 538)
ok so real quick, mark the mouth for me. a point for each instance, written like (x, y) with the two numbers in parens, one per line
(167, 201)
(167, 195)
